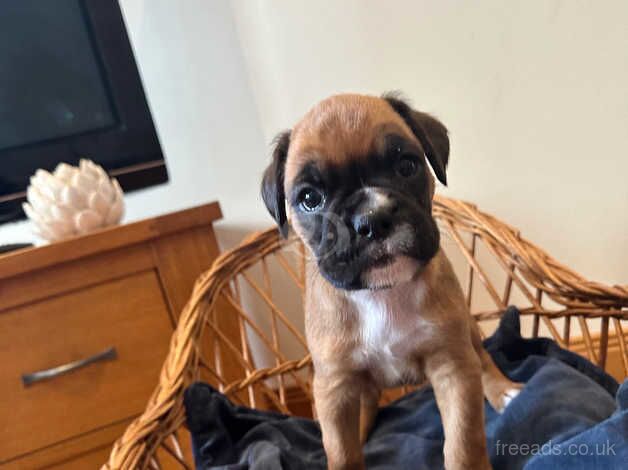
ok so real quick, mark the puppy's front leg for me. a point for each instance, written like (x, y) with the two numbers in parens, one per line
(456, 379)
(368, 410)
(337, 399)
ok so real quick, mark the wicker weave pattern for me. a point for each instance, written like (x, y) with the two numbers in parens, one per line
(554, 295)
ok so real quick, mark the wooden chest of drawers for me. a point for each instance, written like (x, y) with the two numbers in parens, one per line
(103, 305)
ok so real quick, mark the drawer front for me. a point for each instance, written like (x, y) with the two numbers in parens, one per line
(93, 459)
(128, 314)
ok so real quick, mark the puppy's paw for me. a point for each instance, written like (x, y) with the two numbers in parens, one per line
(508, 395)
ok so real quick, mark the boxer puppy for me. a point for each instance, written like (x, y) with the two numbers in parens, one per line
(383, 305)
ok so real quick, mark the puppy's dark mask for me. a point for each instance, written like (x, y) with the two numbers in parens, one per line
(347, 193)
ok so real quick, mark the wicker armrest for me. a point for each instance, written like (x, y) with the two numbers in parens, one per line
(538, 268)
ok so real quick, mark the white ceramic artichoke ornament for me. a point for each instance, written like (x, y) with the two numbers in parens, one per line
(72, 200)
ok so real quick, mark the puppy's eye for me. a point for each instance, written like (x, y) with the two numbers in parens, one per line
(407, 166)
(310, 199)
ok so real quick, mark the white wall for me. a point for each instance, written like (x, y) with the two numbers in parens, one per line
(535, 94)
(195, 79)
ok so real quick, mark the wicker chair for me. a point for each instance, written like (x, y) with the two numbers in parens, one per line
(234, 334)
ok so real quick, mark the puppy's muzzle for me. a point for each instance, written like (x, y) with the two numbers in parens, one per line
(375, 218)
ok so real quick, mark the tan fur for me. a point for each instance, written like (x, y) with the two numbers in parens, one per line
(341, 128)
(443, 343)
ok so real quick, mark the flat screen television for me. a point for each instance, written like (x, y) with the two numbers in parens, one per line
(69, 89)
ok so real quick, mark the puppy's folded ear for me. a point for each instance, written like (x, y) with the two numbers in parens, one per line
(272, 183)
(430, 131)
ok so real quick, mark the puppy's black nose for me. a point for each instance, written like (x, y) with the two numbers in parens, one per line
(374, 225)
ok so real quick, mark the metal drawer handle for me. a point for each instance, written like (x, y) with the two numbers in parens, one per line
(107, 355)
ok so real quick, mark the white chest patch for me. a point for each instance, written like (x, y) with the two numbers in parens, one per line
(390, 333)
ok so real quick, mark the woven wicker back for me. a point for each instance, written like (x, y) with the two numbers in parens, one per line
(242, 329)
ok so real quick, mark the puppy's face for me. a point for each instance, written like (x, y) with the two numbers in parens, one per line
(352, 179)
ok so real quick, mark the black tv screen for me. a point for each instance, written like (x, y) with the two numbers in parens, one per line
(70, 88)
